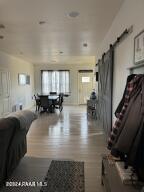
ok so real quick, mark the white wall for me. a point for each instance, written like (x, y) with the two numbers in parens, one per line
(19, 94)
(131, 13)
(73, 98)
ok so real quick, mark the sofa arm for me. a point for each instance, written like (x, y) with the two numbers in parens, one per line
(26, 117)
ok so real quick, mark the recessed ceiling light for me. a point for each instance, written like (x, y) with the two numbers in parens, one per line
(1, 37)
(73, 14)
(2, 26)
(42, 22)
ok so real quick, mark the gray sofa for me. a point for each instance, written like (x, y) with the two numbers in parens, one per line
(13, 145)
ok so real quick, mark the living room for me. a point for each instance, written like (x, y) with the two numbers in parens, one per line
(38, 36)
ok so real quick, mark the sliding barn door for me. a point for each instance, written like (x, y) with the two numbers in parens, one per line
(105, 67)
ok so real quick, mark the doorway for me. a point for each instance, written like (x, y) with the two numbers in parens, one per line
(4, 93)
(85, 85)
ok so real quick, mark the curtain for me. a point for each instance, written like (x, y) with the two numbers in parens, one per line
(55, 81)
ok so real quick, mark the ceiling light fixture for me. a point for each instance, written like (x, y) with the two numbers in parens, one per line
(73, 14)
(1, 37)
(42, 22)
(2, 26)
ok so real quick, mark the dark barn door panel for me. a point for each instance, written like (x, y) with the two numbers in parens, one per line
(105, 86)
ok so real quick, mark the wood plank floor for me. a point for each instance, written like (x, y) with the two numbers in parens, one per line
(70, 135)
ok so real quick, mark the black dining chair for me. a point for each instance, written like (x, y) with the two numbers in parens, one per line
(44, 103)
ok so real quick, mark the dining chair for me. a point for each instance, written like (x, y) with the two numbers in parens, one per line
(44, 102)
(92, 108)
(37, 102)
(53, 93)
(59, 102)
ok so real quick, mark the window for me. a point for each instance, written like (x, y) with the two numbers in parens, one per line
(85, 79)
(22, 79)
(55, 81)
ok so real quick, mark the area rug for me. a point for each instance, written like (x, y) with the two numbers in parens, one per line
(64, 176)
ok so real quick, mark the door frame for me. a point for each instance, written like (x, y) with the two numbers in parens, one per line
(79, 72)
(5, 70)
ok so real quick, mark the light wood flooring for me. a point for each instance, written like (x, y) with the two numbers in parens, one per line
(70, 135)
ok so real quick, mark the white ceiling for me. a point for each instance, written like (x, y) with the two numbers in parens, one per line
(25, 38)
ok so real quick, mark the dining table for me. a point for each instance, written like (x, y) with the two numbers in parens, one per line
(52, 99)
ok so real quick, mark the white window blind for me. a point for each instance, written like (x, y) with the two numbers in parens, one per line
(55, 81)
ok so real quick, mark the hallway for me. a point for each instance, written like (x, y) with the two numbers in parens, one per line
(70, 135)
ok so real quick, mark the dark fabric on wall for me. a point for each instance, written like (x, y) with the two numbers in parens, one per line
(128, 141)
(105, 87)
(119, 108)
